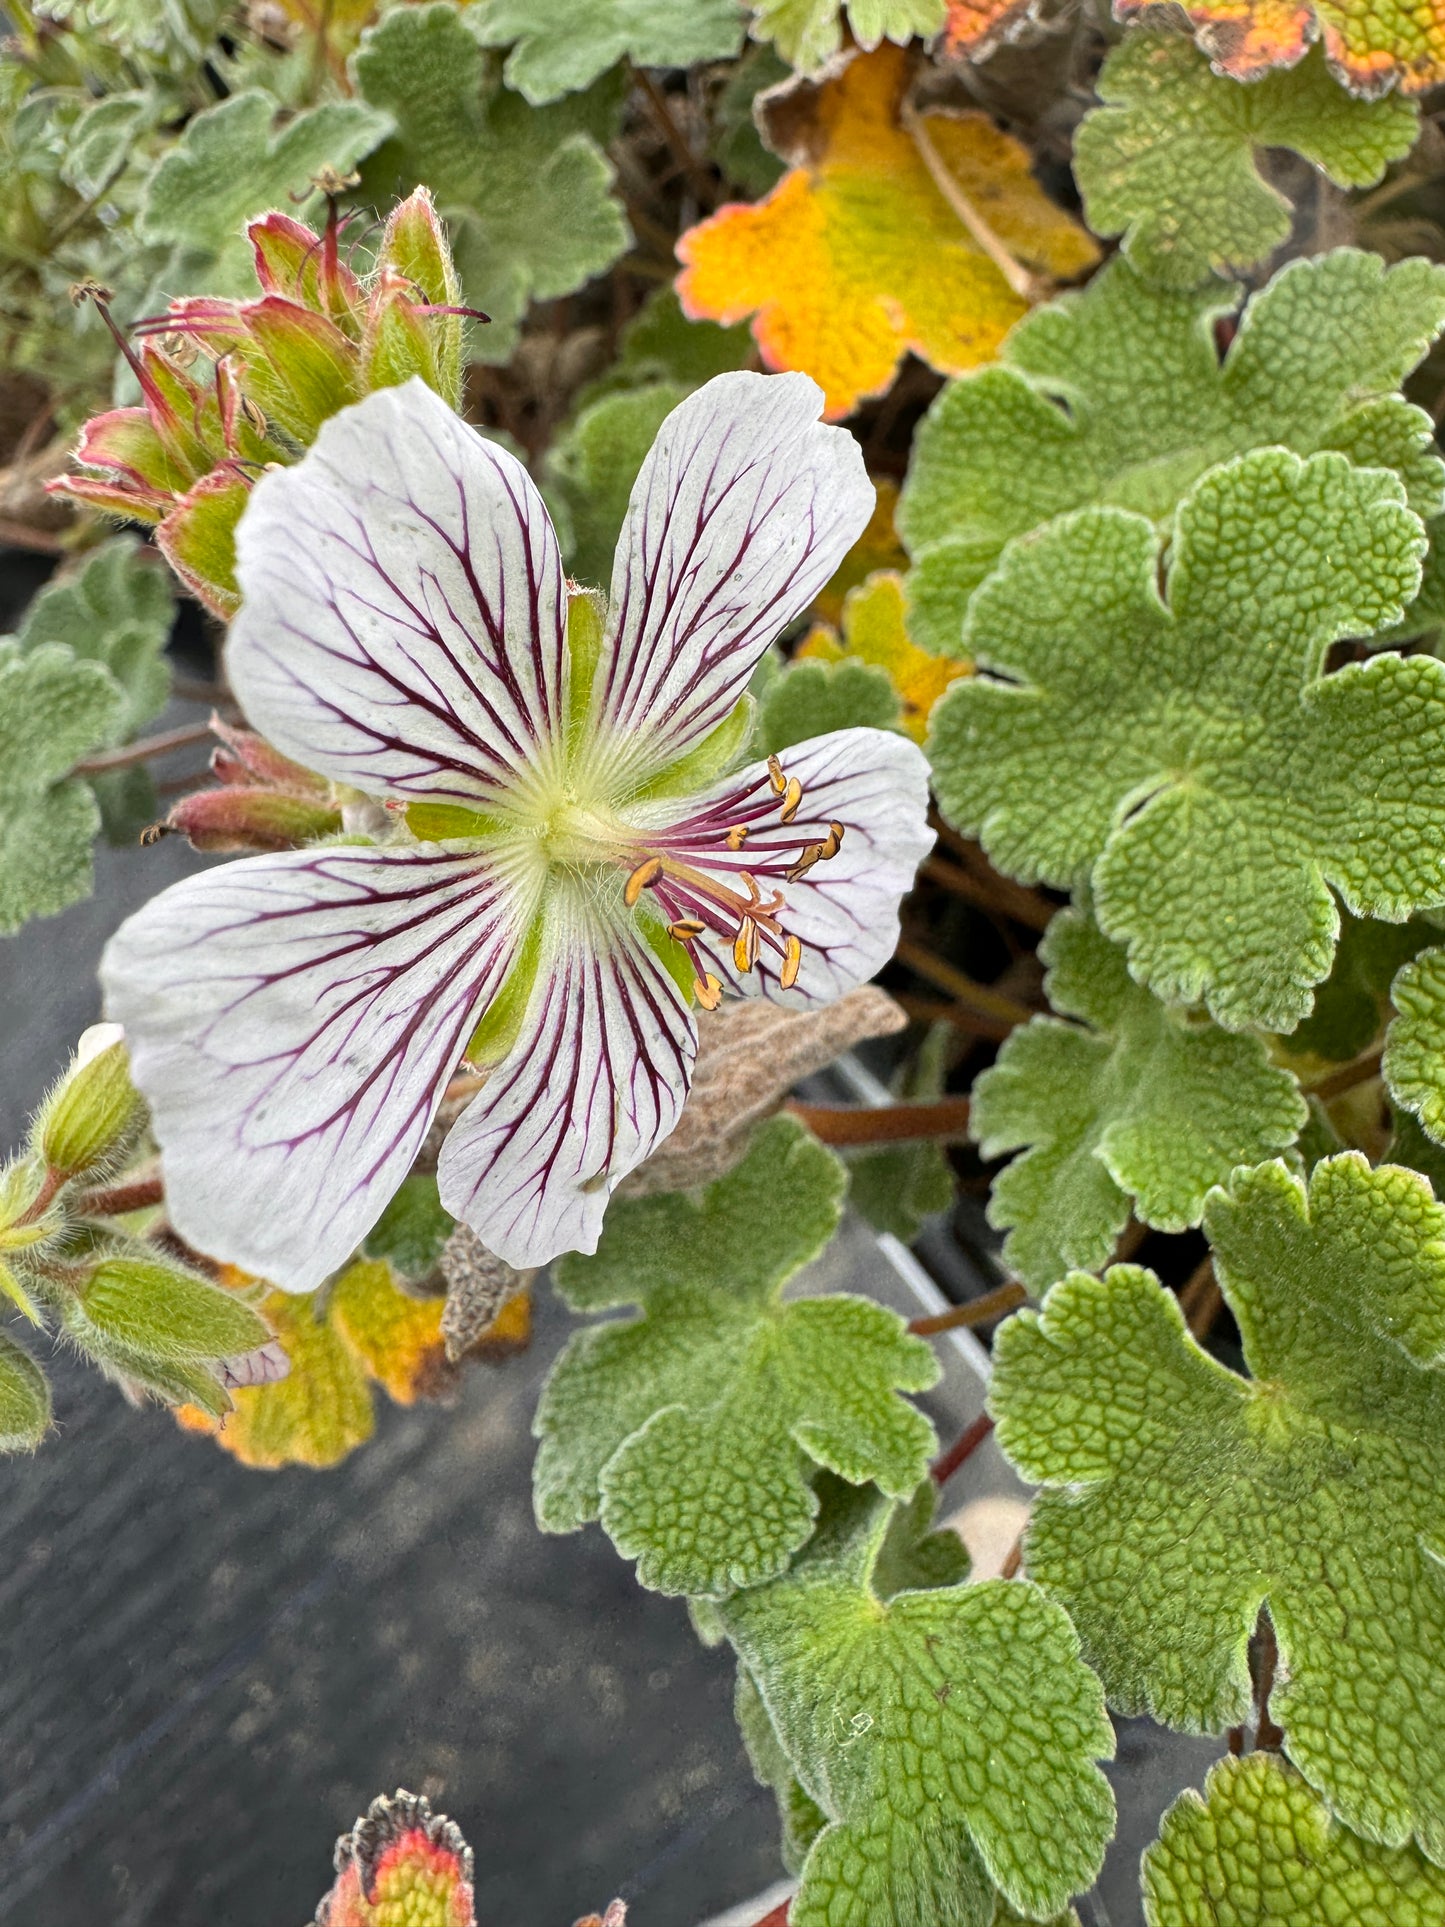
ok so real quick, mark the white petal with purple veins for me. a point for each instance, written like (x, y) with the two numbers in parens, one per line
(594, 1082)
(403, 607)
(293, 1021)
(743, 509)
(845, 910)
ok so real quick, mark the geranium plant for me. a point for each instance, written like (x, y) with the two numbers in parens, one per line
(727, 531)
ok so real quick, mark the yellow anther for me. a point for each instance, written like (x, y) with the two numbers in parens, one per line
(708, 992)
(737, 836)
(792, 797)
(745, 945)
(776, 776)
(644, 874)
(814, 853)
(833, 842)
(685, 929)
(792, 962)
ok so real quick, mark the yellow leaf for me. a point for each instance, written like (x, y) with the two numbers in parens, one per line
(315, 1416)
(510, 1331)
(1370, 48)
(397, 1338)
(873, 632)
(856, 256)
(877, 547)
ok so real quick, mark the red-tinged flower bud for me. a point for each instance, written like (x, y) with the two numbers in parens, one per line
(260, 763)
(292, 260)
(300, 368)
(235, 818)
(414, 250)
(198, 539)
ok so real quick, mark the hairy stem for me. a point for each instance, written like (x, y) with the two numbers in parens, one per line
(967, 1443)
(937, 1120)
(1004, 1012)
(117, 1199)
(142, 751)
(978, 1311)
(1358, 1071)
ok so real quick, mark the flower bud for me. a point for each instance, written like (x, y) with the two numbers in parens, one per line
(24, 1399)
(236, 818)
(92, 1115)
(142, 1305)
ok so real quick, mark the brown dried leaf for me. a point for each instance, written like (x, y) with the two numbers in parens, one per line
(750, 1055)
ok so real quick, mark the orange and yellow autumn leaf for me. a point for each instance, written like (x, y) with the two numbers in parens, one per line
(366, 1331)
(873, 632)
(973, 28)
(857, 256)
(1372, 45)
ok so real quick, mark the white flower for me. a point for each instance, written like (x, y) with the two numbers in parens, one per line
(573, 864)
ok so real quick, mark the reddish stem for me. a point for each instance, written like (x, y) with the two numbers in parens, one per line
(40, 1204)
(115, 1202)
(967, 1443)
(945, 1117)
(778, 1916)
(978, 1311)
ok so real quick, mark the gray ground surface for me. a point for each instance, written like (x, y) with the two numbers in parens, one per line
(207, 1671)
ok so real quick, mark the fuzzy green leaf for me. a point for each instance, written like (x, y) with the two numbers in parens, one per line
(53, 711)
(24, 1399)
(233, 163)
(897, 1189)
(412, 1230)
(812, 698)
(800, 1817)
(561, 47)
(661, 344)
(1415, 1043)
(1190, 752)
(1145, 1104)
(1118, 396)
(808, 33)
(947, 1734)
(593, 463)
(116, 609)
(1182, 1497)
(737, 146)
(1351, 1005)
(525, 191)
(692, 1430)
(1261, 1850)
(1170, 161)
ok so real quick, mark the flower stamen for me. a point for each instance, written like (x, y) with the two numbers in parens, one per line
(792, 961)
(645, 874)
(708, 991)
(776, 776)
(685, 929)
(737, 836)
(792, 797)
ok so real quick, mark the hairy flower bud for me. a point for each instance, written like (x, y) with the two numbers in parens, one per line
(136, 1305)
(93, 1113)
